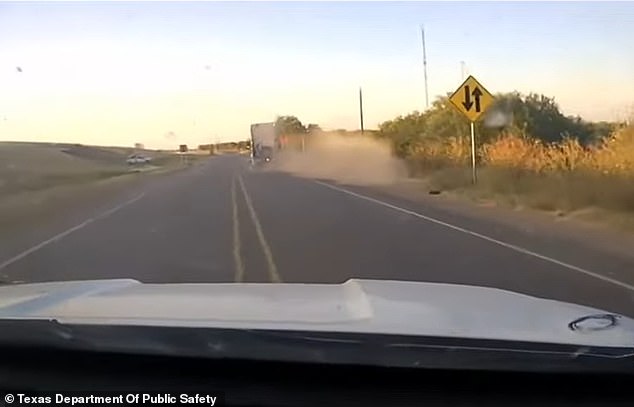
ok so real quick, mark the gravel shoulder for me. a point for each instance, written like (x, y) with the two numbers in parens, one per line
(587, 228)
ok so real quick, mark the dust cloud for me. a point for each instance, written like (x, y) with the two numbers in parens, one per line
(348, 159)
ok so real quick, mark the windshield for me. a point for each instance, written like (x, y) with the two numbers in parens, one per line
(431, 168)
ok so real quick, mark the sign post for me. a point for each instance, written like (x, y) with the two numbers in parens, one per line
(474, 176)
(472, 100)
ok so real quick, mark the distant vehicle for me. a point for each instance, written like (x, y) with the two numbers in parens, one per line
(138, 159)
(264, 142)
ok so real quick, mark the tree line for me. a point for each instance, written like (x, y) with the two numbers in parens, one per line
(533, 115)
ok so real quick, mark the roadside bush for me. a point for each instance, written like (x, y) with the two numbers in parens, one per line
(558, 190)
(529, 172)
(563, 175)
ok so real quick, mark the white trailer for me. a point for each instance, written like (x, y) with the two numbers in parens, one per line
(263, 141)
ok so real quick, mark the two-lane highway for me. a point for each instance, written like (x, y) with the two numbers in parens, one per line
(224, 222)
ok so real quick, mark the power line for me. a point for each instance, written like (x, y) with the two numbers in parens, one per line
(422, 30)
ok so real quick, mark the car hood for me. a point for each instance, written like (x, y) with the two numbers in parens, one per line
(359, 306)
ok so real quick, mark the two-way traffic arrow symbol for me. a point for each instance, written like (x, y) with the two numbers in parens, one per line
(468, 104)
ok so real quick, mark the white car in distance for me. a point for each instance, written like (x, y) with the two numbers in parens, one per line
(138, 159)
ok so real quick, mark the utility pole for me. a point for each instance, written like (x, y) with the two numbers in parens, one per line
(422, 30)
(361, 108)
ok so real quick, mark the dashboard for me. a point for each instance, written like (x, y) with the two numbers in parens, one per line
(257, 383)
(254, 368)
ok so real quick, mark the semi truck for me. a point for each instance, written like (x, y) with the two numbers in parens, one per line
(263, 142)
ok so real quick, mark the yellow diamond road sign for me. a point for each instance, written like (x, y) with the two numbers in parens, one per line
(471, 99)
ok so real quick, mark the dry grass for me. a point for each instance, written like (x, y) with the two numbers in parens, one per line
(35, 166)
(524, 171)
(38, 181)
(614, 156)
(28, 167)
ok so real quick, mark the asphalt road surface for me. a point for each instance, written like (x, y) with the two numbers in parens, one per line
(224, 222)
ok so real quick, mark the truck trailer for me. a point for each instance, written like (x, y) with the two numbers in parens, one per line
(263, 142)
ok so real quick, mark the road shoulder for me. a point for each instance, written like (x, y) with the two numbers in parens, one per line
(33, 216)
(528, 221)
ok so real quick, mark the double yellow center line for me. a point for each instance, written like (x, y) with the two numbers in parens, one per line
(274, 276)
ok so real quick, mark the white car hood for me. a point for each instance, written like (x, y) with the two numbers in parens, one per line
(359, 306)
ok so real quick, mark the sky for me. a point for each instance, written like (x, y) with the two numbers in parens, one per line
(162, 74)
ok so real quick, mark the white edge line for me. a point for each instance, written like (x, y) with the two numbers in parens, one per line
(68, 232)
(481, 236)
